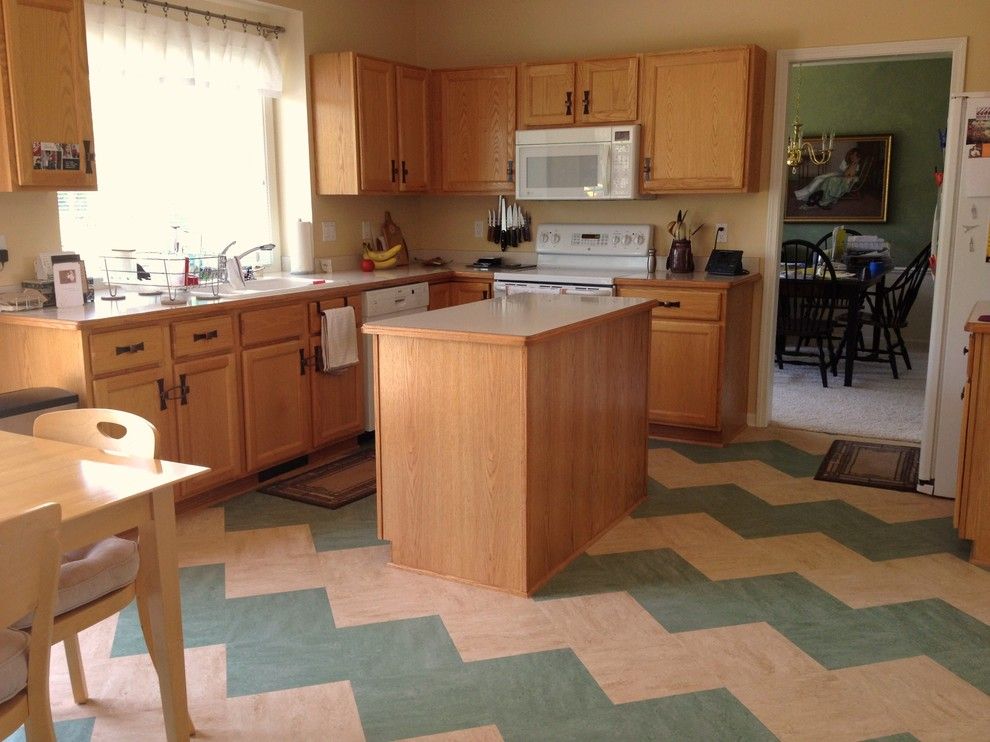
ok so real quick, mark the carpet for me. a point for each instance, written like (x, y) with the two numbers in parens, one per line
(331, 485)
(876, 406)
(880, 465)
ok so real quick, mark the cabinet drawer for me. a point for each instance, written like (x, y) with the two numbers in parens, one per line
(316, 309)
(124, 349)
(268, 325)
(202, 336)
(681, 303)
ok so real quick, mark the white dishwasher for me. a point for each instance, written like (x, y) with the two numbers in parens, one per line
(382, 304)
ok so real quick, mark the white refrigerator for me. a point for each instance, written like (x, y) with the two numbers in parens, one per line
(962, 278)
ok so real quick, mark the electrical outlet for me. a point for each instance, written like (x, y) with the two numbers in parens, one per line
(329, 231)
(722, 232)
(479, 229)
(365, 230)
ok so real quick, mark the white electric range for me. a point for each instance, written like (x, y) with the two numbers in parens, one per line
(580, 259)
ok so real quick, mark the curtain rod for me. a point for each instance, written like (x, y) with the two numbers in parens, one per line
(224, 19)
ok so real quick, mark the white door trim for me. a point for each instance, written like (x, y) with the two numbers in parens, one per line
(956, 47)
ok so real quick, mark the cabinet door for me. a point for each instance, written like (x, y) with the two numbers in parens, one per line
(276, 403)
(377, 150)
(607, 90)
(49, 95)
(209, 419)
(546, 94)
(462, 292)
(412, 116)
(440, 295)
(143, 393)
(684, 373)
(338, 401)
(478, 123)
(702, 119)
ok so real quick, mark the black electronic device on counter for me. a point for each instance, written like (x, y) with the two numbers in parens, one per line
(725, 263)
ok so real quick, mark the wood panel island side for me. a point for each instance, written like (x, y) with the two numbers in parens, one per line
(510, 433)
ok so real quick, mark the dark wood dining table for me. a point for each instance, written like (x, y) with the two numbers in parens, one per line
(852, 290)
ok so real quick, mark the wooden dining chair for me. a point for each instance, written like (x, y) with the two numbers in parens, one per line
(28, 575)
(806, 308)
(97, 581)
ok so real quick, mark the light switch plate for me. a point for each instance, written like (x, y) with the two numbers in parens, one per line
(329, 231)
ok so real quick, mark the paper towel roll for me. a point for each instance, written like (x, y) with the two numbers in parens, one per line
(301, 253)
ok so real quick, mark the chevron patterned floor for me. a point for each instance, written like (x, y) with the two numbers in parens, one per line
(743, 600)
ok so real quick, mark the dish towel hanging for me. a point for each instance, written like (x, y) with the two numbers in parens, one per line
(338, 339)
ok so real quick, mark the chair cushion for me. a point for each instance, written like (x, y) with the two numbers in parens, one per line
(13, 663)
(94, 571)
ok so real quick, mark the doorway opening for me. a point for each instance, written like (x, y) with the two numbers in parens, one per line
(848, 67)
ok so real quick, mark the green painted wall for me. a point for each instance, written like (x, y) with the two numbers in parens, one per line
(909, 99)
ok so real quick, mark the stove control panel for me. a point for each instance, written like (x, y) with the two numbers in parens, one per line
(594, 239)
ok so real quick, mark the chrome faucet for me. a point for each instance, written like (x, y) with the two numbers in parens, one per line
(249, 273)
(236, 275)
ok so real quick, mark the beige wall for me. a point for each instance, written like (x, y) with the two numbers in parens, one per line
(455, 32)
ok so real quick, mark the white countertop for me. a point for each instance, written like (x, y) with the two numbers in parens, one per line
(515, 318)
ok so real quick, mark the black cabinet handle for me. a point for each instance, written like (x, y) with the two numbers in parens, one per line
(135, 348)
(647, 167)
(567, 102)
(671, 304)
(302, 362)
(586, 102)
(966, 351)
(208, 335)
(162, 397)
(318, 358)
(395, 170)
(89, 155)
(183, 390)
(510, 171)
(404, 171)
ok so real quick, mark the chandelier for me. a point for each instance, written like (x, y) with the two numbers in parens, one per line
(797, 147)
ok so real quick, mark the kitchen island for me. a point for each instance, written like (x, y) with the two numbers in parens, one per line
(511, 433)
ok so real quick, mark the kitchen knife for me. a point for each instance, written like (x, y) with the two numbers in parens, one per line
(491, 225)
(515, 226)
(503, 239)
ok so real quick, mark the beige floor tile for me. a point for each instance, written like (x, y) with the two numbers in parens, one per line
(629, 534)
(740, 655)
(478, 734)
(263, 543)
(807, 440)
(274, 574)
(200, 537)
(607, 618)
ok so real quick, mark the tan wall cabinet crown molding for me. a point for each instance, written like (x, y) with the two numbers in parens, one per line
(703, 119)
(44, 97)
(593, 91)
(370, 125)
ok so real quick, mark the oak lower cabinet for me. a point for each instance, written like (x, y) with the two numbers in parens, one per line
(45, 96)
(699, 355)
(703, 120)
(275, 384)
(440, 295)
(972, 513)
(592, 91)
(143, 393)
(370, 123)
(477, 138)
(462, 292)
(338, 398)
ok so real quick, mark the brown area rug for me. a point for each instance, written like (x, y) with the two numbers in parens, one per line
(880, 465)
(331, 485)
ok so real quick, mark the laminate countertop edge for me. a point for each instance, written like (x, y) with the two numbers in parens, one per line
(973, 324)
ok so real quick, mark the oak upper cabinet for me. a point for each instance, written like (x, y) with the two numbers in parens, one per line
(276, 386)
(370, 125)
(44, 97)
(477, 109)
(593, 91)
(703, 119)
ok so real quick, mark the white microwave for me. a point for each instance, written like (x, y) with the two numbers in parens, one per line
(578, 164)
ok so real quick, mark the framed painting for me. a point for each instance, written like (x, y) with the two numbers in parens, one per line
(853, 186)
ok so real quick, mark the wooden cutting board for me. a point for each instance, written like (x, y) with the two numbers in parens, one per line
(393, 236)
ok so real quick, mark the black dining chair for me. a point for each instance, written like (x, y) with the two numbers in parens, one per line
(890, 308)
(805, 305)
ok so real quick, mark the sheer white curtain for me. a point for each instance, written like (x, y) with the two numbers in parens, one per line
(151, 46)
(179, 112)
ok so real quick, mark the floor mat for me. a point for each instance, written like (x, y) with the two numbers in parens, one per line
(872, 465)
(331, 485)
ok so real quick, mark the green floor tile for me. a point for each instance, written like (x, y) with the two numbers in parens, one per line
(70, 730)
(781, 456)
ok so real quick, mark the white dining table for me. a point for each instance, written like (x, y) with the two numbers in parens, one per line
(102, 494)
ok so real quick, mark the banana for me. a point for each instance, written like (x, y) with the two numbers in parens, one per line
(383, 264)
(383, 255)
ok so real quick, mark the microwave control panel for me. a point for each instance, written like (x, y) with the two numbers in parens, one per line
(594, 239)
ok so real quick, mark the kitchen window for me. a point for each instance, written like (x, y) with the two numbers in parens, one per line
(183, 138)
